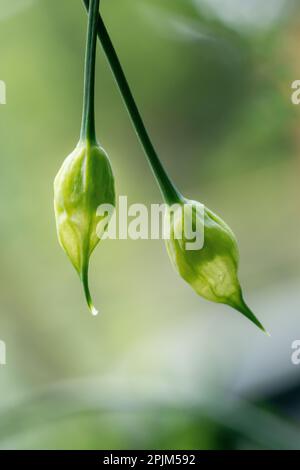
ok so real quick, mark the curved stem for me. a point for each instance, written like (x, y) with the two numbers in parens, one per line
(84, 275)
(88, 131)
(168, 190)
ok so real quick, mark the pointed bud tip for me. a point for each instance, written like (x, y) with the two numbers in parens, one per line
(94, 311)
(84, 278)
(243, 308)
(261, 327)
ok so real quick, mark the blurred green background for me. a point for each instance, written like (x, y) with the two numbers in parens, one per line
(161, 368)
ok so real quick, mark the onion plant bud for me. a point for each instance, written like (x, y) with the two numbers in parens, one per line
(211, 268)
(84, 181)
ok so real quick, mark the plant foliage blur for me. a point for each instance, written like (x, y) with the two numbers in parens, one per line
(161, 368)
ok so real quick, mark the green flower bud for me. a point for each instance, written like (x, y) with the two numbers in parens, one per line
(84, 181)
(211, 270)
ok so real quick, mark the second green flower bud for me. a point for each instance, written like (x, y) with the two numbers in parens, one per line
(211, 267)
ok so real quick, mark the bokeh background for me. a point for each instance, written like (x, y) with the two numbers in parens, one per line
(161, 368)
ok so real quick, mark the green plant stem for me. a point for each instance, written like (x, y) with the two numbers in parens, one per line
(88, 131)
(168, 190)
